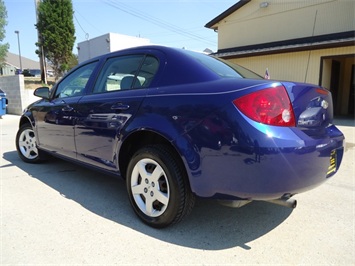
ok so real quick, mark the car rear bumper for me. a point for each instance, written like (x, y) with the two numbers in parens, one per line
(276, 162)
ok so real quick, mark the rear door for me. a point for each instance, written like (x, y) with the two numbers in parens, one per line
(118, 92)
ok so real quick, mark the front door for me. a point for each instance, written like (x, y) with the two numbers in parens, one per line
(56, 118)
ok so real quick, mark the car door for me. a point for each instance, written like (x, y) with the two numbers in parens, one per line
(119, 90)
(56, 118)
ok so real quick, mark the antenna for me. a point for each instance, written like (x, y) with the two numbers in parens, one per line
(309, 53)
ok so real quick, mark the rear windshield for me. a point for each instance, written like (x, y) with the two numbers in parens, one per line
(224, 68)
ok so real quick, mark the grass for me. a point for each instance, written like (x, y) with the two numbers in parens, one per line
(32, 83)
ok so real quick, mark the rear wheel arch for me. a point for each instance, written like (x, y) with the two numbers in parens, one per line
(138, 140)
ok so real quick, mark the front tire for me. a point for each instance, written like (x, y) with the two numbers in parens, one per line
(26, 144)
(157, 187)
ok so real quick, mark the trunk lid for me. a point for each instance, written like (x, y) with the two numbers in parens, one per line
(312, 106)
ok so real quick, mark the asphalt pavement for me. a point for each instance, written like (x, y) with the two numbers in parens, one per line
(58, 213)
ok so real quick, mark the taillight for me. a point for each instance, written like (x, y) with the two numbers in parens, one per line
(270, 106)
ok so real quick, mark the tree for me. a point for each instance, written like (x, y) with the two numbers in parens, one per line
(56, 32)
(73, 61)
(3, 46)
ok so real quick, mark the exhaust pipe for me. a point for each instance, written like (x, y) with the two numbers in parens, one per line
(287, 202)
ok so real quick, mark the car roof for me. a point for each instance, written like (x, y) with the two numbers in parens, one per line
(164, 49)
(182, 67)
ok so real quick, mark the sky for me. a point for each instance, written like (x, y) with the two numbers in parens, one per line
(176, 23)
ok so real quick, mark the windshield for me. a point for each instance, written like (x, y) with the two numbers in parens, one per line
(223, 68)
(245, 73)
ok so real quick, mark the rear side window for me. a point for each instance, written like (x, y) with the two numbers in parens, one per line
(126, 73)
(148, 69)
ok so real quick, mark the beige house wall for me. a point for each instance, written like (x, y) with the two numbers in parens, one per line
(295, 66)
(284, 20)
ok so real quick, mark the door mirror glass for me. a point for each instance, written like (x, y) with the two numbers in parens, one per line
(42, 92)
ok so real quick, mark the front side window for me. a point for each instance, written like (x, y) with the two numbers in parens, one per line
(126, 72)
(74, 84)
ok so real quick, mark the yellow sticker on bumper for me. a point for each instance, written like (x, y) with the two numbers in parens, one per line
(333, 163)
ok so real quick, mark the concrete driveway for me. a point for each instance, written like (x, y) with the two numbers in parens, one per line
(60, 213)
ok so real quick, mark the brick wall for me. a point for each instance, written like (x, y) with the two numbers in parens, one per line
(17, 95)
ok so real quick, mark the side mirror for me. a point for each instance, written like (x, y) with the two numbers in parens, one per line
(42, 92)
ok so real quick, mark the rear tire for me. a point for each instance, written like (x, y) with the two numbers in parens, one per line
(157, 187)
(26, 145)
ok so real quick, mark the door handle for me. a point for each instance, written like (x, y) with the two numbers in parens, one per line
(119, 106)
(67, 108)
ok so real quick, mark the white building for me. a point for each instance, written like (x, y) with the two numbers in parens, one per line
(107, 43)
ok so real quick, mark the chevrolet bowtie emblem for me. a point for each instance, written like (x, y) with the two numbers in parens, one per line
(324, 104)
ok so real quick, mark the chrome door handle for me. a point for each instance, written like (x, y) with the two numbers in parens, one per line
(120, 107)
(67, 108)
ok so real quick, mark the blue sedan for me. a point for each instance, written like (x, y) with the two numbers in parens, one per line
(176, 124)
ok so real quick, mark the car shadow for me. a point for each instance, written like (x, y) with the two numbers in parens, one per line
(210, 226)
